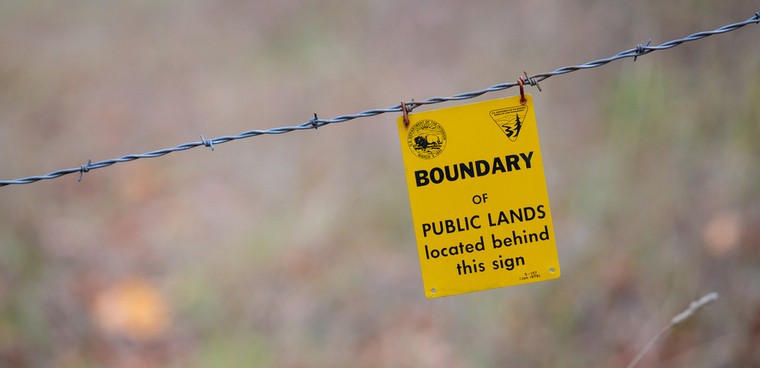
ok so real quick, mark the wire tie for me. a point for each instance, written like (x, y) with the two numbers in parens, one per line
(756, 17)
(315, 121)
(520, 81)
(640, 49)
(207, 142)
(83, 169)
(532, 81)
(406, 110)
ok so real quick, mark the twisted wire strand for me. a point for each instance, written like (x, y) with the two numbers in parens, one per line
(315, 123)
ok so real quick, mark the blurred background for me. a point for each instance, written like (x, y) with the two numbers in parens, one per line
(298, 250)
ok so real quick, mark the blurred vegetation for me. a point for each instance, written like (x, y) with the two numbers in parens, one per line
(298, 250)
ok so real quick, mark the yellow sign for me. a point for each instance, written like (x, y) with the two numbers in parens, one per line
(478, 197)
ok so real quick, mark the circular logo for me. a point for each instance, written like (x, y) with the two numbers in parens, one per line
(426, 139)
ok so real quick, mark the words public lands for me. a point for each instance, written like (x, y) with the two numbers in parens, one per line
(501, 240)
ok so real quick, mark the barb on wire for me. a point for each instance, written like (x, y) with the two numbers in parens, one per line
(639, 50)
(83, 169)
(207, 143)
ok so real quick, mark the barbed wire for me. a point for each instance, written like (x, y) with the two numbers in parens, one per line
(314, 123)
